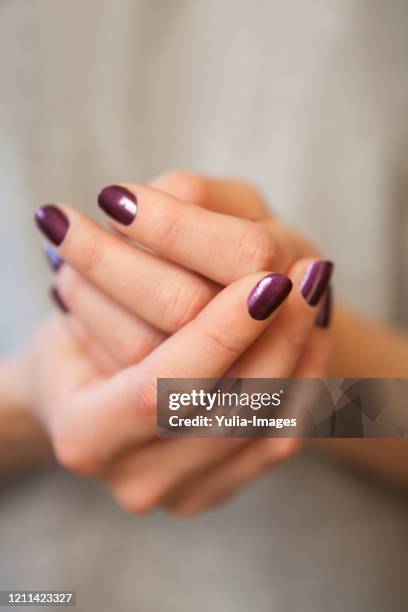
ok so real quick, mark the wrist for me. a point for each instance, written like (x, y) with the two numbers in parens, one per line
(24, 443)
(366, 348)
(13, 382)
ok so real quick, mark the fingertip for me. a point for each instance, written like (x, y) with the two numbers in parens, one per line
(267, 295)
(119, 203)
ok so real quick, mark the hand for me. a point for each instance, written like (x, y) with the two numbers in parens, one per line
(289, 340)
(163, 295)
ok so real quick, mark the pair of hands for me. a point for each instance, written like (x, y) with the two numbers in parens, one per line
(174, 305)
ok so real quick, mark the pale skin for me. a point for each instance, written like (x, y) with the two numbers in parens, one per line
(177, 320)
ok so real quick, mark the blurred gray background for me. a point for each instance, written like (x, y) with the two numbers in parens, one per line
(306, 98)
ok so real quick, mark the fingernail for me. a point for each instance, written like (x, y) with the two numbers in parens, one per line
(58, 301)
(316, 281)
(118, 203)
(52, 222)
(54, 259)
(324, 316)
(268, 295)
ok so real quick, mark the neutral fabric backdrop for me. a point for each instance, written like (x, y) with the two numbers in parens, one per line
(306, 98)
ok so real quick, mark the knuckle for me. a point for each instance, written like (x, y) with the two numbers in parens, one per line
(75, 457)
(84, 341)
(186, 302)
(223, 340)
(185, 186)
(147, 396)
(131, 350)
(90, 257)
(297, 334)
(262, 249)
(68, 283)
(257, 251)
(169, 230)
(288, 448)
(127, 354)
(137, 500)
(276, 451)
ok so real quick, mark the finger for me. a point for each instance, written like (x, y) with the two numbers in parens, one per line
(102, 361)
(142, 479)
(228, 325)
(89, 346)
(159, 292)
(238, 198)
(289, 244)
(225, 481)
(206, 347)
(124, 337)
(219, 483)
(229, 196)
(62, 368)
(278, 351)
(218, 246)
(274, 355)
(316, 360)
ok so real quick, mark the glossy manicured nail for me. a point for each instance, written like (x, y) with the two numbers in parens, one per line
(118, 203)
(52, 222)
(54, 259)
(58, 301)
(268, 295)
(324, 316)
(316, 281)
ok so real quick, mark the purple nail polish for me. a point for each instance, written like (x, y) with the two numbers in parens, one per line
(52, 222)
(118, 203)
(58, 301)
(316, 280)
(54, 259)
(324, 316)
(268, 295)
